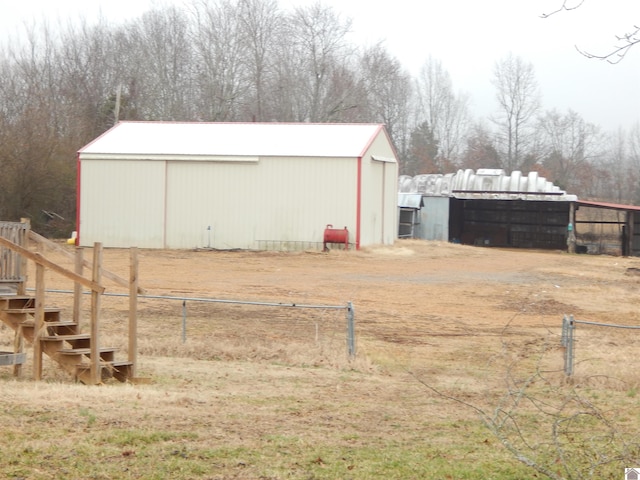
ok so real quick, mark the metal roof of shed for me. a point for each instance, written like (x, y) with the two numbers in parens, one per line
(610, 206)
(410, 200)
(190, 139)
(485, 184)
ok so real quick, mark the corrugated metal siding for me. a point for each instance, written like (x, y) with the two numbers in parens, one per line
(122, 203)
(434, 219)
(488, 207)
(373, 212)
(177, 201)
(300, 197)
(410, 200)
(491, 184)
(379, 212)
(635, 239)
(202, 196)
(249, 205)
(512, 223)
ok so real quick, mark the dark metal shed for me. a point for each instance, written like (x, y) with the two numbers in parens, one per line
(491, 208)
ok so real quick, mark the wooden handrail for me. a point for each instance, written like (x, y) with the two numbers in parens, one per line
(40, 260)
(105, 273)
(94, 284)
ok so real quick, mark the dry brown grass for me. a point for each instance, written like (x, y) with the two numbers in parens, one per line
(461, 320)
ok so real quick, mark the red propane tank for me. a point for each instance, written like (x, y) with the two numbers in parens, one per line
(336, 235)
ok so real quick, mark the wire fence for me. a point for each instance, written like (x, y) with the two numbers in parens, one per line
(252, 324)
(568, 338)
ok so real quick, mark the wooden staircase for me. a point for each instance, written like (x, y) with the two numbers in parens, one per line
(61, 341)
(78, 353)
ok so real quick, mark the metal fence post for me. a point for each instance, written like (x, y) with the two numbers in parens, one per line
(569, 347)
(565, 325)
(351, 330)
(184, 321)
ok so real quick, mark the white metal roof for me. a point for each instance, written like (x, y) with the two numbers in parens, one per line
(410, 200)
(485, 184)
(232, 140)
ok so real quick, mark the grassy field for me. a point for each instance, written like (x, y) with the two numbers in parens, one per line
(458, 367)
(215, 420)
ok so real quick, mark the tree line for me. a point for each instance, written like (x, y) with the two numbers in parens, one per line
(251, 61)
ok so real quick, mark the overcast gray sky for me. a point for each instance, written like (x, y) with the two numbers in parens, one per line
(467, 36)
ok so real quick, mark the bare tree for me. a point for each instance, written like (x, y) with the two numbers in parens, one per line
(36, 160)
(388, 93)
(634, 163)
(625, 41)
(90, 69)
(220, 58)
(259, 24)
(159, 52)
(480, 150)
(321, 56)
(570, 144)
(446, 112)
(621, 162)
(518, 103)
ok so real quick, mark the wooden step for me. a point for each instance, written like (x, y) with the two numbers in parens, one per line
(67, 337)
(85, 351)
(16, 297)
(106, 354)
(16, 301)
(77, 340)
(113, 364)
(50, 314)
(18, 312)
(32, 310)
(50, 323)
(52, 327)
(120, 370)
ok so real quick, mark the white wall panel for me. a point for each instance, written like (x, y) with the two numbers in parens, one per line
(300, 196)
(122, 203)
(379, 216)
(205, 205)
(223, 205)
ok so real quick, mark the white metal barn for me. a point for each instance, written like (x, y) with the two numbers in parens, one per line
(259, 186)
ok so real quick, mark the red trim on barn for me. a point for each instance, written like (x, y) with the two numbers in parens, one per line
(78, 199)
(358, 202)
(612, 206)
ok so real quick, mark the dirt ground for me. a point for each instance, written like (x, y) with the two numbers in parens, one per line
(414, 302)
(427, 314)
(416, 297)
(418, 305)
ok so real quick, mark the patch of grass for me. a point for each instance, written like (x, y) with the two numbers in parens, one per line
(387, 460)
(154, 453)
(91, 418)
(124, 438)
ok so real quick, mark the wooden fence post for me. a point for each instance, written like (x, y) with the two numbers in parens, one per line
(18, 348)
(77, 289)
(24, 242)
(133, 311)
(96, 370)
(38, 326)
